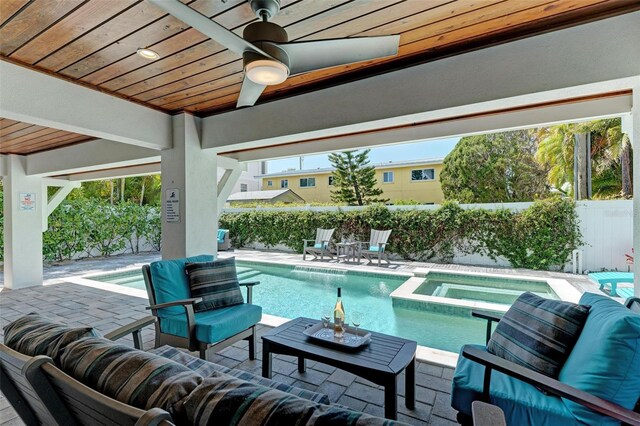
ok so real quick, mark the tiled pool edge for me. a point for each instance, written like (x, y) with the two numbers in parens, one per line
(407, 296)
(426, 354)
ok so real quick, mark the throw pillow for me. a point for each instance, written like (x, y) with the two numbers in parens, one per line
(128, 375)
(538, 333)
(225, 400)
(216, 282)
(34, 335)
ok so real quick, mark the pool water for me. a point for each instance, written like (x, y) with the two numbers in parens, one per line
(291, 292)
(481, 288)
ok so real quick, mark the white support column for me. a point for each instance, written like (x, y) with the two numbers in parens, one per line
(65, 187)
(634, 136)
(23, 209)
(189, 179)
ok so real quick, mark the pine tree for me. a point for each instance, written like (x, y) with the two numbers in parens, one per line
(354, 179)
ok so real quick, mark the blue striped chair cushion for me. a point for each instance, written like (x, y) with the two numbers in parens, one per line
(34, 335)
(226, 400)
(206, 369)
(216, 282)
(538, 333)
(128, 375)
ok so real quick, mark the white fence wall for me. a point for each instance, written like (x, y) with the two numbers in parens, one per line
(606, 230)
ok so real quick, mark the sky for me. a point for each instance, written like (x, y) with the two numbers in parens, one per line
(410, 151)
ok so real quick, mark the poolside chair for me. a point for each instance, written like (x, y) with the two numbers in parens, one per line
(321, 245)
(375, 247)
(179, 325)
(613, 279)
(224, 242)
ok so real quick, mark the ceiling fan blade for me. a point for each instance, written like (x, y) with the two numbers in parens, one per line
(314, 55)
(207, 26)
(249, 93)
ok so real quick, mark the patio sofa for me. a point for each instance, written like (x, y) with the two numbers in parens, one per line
(42, 361)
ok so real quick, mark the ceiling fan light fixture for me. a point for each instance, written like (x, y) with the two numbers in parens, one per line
(267, 72)
(148, 54)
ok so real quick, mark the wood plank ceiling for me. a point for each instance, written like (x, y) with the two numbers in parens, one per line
(94, 42)
(24, 138)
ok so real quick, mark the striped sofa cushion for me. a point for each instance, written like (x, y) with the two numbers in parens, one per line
(216, 282)
(206, 369)
(34, 335)
(538, 333)
(226, 400)
(128, 375)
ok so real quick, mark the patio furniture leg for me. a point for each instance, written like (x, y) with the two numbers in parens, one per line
(302, 365)
(252, 344)
(410, 385)
(391, 398)
(614, 287)
(266, 360)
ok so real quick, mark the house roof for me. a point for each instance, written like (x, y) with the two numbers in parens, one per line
(262, 195)
(385, 165)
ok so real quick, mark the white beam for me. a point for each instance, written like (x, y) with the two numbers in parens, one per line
(88, 156)
(54, 202)
(449, 128)
(225, 186)
(3, 166)
(41, 99)
(121, 172)
(543, 68)
(225, 162)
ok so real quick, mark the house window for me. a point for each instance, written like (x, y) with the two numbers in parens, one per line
(284, 183)
(387, 177)
(269, 183)
(243, 187)
(330, 180)
(307, 182)
(423, 174)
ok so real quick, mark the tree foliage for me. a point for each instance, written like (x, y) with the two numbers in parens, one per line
(611, 155)
(498, 167)
(540, 237)
(354, 179)
(139, 190)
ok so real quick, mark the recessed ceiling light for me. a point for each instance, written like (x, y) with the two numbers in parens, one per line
(148, 54)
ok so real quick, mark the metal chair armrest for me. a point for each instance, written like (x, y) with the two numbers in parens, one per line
(547, 384)
(490, 319)
(249, 285)
(183, 302)
(134, 328)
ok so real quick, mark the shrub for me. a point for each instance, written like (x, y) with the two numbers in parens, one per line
(540, 237)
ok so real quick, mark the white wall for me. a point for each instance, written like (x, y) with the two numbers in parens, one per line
(606, 228)
(248, 177)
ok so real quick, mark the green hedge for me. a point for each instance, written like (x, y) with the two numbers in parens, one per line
(540, 237)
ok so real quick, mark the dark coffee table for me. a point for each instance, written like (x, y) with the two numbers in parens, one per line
(380, 362)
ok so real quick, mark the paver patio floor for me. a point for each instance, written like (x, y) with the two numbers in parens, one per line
(78, 305)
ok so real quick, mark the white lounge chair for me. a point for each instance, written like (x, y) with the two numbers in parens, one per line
(375, 247)
(321, 245)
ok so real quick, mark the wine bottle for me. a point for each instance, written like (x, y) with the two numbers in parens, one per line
(338, 317)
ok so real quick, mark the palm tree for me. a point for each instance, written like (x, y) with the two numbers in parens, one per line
(610, 156)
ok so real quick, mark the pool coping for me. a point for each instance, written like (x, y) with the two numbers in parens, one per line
(562, 288)
(426, 354)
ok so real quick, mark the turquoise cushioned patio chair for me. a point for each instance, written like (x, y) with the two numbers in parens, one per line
(224, 242)
(613, 278)
(599, 383)
(180, 326)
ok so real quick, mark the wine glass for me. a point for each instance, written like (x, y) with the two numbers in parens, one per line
(356, 320)
(325, 314)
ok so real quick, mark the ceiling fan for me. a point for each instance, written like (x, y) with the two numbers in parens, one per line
(268, 57)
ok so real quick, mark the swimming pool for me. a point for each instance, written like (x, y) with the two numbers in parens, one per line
(294, 291)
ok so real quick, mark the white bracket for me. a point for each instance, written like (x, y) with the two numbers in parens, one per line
(64, 188)
(226, 184)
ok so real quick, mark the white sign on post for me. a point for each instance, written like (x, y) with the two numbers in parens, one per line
(27, 201)
(172, 205)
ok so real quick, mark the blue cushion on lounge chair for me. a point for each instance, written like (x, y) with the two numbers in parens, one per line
(170, 282)
(518, 400)
(320, 245)
(221, 233)
(606, 358)
(215, 325)
(376, 248)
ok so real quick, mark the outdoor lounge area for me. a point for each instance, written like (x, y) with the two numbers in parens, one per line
(134, 291)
